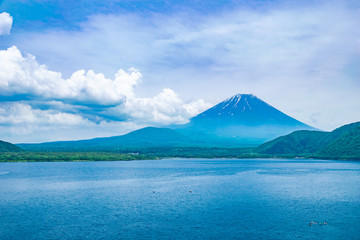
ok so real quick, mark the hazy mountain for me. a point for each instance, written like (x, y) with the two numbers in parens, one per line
(242, 117)
(145, 137)
(8, 147)
(343, 142)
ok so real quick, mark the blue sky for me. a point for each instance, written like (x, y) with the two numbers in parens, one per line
(83, 69)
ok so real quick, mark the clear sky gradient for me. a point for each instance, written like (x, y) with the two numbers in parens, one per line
(83, 69)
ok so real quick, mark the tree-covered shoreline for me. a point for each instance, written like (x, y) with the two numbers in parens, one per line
(158, 153)
(69, 156)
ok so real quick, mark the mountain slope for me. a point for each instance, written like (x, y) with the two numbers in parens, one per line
(297, 142)
(343, 142)
(347, 145)
(8, 147)
(243, 117)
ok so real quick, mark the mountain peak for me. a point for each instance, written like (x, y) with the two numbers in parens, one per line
(246, 110)
(239, 96)
(235, 106)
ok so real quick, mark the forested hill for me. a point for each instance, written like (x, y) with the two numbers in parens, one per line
(8, 147)
(342, 143)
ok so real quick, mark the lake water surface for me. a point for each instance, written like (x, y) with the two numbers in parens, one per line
(180, 199)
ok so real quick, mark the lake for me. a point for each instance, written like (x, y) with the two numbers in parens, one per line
(181, 199)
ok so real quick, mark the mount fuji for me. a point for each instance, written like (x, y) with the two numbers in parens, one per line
(242, 117)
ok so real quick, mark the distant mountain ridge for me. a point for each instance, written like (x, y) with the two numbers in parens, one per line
(239, 121)
(145, 137)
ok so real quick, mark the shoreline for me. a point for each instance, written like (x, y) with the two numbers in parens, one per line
(13, 157)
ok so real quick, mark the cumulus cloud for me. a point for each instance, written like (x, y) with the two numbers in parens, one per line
(25, 76)
(165, 108)
(5, 23)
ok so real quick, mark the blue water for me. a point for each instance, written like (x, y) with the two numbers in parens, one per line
(229, 199)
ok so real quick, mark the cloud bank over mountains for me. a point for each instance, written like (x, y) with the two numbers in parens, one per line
(35, 98)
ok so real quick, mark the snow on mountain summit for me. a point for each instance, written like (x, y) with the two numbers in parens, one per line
(245, 109)
(236, 105)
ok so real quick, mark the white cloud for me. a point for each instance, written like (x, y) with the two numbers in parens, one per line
(20, 122)
(24, 75)
(5, 23)
(23, 114)
(165, 108)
